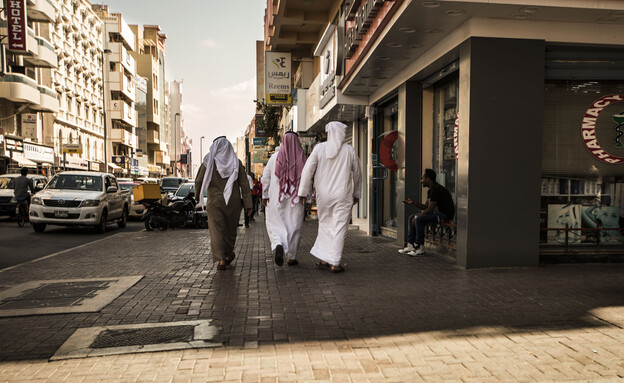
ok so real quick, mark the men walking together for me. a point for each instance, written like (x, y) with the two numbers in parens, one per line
(225, 178)
(338, 179)
(283, 213)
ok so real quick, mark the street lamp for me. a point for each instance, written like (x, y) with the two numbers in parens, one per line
(201, 149)
(105, 51)
(175, 143)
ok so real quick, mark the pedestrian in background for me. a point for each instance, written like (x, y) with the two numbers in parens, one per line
(338, 181)
(249, 216)
(224, 177)
(283, 213)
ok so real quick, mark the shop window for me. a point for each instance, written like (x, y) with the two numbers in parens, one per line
(445, 113)
(582, 180)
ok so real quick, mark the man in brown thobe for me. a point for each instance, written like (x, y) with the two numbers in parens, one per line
(225, 183)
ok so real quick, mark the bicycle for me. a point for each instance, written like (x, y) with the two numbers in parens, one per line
(21, 212)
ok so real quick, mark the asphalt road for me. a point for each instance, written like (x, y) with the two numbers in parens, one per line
(22, 244)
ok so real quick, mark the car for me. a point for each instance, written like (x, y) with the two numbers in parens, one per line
(171, 184)
(147, 180)
(80, 199)
(184, 191)
(124, 180)
(7, 197)
(136, 208)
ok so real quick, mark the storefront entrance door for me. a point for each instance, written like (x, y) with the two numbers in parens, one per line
(385, 177)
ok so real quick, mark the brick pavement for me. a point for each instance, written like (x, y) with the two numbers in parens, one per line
(387, 318)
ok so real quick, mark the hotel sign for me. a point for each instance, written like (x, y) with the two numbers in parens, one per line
(16, 18)
(277, 78)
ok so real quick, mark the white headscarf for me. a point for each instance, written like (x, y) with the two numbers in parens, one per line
(222, 154)
(336, 132)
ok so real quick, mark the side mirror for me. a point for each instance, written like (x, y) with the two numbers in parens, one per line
(38, 188)
(111, 189)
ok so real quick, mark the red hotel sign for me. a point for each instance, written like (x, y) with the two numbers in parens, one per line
(16, 14)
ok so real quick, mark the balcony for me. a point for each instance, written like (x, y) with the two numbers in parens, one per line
(153, 137)
(46, 56)
(48, 100)
(123, 137)
(119, 110)
(42, 11)
(119, 82)
(17, 87)
(120, 54)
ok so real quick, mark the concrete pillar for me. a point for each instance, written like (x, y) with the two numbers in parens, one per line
(501, 103)
(410, 153)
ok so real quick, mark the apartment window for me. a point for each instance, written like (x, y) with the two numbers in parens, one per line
(155, 104)
(69, 104)
(155, 81)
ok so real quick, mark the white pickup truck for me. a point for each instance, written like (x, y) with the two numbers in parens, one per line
(80, 199)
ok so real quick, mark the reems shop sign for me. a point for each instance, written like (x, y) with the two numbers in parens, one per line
(16, 15)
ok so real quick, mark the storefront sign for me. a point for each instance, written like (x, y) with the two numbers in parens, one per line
(29, 125)
(259, 141)
(588, 129)
(259, 132)
(456, 136)
(120, 161)
(328, 90)
(16, 18)
(277, 78)
(13, 145)
(363, 18)
(72, 148)
(38, 153)
(76, 163)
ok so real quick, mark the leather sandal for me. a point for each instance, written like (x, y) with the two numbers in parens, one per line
(337, 269)
(322, 265)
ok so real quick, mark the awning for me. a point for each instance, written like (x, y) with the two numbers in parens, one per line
(22, 161)
(113, 166)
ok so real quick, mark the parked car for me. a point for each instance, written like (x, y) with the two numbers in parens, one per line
(7, 189)
(171, 184)
(80, 199)
(136, 208)
(124, 180)
(147, 180)
(184, 191)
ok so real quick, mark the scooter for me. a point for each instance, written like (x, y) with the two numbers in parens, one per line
(178, 215)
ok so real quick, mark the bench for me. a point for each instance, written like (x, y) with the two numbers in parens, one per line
(442, 234)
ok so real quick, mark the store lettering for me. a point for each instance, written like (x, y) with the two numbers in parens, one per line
(362, 22)
(588, 129)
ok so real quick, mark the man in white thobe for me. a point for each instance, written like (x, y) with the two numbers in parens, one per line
(283, 213)
(338, 182)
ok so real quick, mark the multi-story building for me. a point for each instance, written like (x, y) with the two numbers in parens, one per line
(149, 57)
(120, 70)
(79, 123)
(176, 125)
(141, 128)
(27, 92)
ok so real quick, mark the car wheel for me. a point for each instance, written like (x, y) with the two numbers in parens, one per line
(101, 227)
(149, 223)
(124, 219)
(39, 227)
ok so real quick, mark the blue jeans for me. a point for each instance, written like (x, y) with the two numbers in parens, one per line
(416, 231)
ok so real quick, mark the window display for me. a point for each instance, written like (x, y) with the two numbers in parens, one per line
(444, 159)
(582, 173)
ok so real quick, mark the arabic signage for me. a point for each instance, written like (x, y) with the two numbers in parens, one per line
(72, 148)
(38, 153)
(278, 78)
(16, 18)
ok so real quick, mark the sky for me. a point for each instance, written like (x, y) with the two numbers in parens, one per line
(211, 48)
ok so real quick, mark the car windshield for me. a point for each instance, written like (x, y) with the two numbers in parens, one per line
(6, 183)
(76, 182)
(184, 190)
(170, 183)
(127, 186)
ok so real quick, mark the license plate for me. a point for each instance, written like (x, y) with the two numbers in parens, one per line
(61, 213)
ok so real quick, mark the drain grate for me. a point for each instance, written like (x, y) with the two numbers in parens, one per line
(143, 336)
(56, 295)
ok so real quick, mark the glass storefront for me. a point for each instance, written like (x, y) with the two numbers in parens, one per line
(445, 113)
(386, 178)
(582, 178)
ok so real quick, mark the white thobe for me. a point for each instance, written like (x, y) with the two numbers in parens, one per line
(338, 181)
(283, 220)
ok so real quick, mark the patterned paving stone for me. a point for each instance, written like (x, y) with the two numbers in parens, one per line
(387, 318)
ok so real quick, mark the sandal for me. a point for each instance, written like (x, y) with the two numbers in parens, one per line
(337, 269)
(228, 260)
(221, 267)
(322, 265)
(292, 262)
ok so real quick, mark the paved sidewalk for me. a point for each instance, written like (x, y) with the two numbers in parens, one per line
(389, 317)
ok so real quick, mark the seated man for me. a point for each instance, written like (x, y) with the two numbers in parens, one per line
(439, 208)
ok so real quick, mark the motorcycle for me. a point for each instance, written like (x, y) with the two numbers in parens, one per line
(178, 215)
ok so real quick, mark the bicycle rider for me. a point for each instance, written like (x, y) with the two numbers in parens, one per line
(22, 184)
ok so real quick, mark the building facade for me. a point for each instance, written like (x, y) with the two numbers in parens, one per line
(28, 97)
(514, 105)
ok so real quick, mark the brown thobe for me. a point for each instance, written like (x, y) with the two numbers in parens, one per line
(223, 219)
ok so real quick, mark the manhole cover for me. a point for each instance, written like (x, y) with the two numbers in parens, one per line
(142, 336)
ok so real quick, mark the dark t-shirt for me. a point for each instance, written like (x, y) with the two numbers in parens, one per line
(438, 193)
